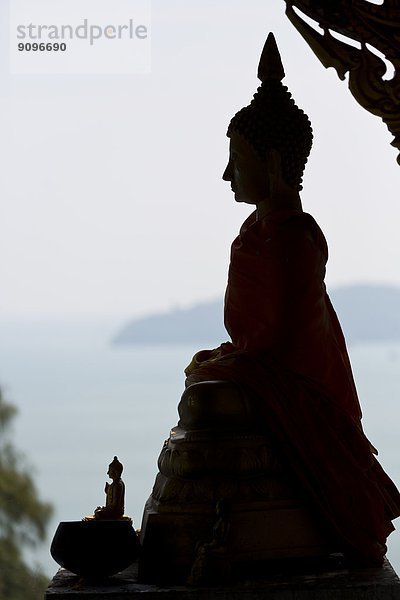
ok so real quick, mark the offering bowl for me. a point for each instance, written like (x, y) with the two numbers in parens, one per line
(95, 548)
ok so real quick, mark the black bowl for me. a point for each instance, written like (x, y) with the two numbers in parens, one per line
(95, 548)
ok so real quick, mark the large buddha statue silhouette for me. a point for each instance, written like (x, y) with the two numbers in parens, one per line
(270, 422)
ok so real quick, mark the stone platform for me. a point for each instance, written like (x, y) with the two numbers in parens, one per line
(335, 584)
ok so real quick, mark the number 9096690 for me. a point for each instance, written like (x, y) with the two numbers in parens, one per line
(42, 47)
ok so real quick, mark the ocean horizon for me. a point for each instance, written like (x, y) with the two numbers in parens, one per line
(82, 400)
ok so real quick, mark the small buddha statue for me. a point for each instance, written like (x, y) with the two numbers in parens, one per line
(270, 420)
(115, 494)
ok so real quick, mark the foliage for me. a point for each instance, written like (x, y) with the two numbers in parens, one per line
(23, 518)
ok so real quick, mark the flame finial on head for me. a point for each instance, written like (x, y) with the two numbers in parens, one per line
(270, 66)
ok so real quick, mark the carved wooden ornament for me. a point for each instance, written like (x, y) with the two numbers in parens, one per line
(376, 28)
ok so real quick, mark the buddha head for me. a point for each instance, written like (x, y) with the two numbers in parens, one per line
(115, 469)
(271, 134)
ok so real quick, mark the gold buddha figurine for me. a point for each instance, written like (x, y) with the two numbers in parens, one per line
(115, 494)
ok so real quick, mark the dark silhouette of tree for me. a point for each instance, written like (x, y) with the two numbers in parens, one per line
(23, 518)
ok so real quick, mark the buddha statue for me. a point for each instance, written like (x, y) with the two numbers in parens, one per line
(270, 421)
(115, 494)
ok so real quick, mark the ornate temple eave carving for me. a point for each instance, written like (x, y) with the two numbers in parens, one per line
(369, 24)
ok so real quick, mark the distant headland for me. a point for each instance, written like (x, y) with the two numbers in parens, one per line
(367, 312)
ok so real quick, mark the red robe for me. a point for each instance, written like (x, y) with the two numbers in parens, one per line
(288, 350)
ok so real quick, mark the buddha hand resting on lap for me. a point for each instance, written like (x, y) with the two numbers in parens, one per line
(270, 421)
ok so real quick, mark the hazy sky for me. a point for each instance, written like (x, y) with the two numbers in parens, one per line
(112, 201)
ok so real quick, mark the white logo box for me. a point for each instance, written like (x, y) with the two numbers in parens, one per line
(80, 36)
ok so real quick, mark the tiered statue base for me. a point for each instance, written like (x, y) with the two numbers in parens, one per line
(221, 508)
(260, 532)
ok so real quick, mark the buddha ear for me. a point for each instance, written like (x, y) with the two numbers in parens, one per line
(274, 170)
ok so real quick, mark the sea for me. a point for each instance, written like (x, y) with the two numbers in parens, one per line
(83, 400)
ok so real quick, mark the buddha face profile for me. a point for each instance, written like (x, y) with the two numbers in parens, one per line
(247, 172)
(112, 473)
(253, 179)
